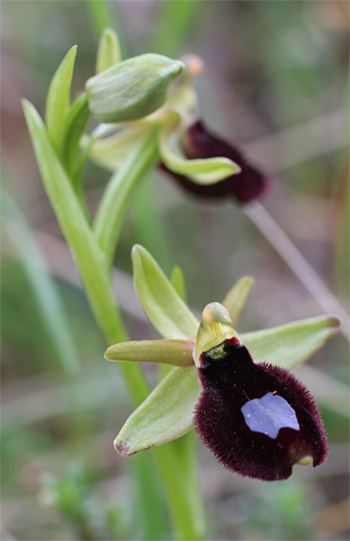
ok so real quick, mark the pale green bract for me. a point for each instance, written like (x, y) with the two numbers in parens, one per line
(108, 52)
(57, 102)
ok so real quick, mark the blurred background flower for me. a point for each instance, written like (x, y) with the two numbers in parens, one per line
(275, 83)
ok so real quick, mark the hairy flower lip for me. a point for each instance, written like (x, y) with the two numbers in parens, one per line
(200, 143)
(230, 382)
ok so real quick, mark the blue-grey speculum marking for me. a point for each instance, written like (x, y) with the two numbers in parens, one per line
(269, 414)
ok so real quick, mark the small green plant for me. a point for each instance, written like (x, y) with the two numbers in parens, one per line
(150, 116)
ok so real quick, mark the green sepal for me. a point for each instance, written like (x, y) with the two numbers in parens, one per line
(110, 152)
(58, 99)
(169, 352)
(132, 89)
(162, 304)
(165, 415)
(75, 125)
(108, 52)
(237, 297)
(289, 345)
(201, 171)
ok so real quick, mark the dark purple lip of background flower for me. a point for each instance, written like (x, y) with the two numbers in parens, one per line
(245, 186)
(231, 382)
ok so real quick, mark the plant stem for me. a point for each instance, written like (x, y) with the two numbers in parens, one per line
(188, 522)
(113, 206)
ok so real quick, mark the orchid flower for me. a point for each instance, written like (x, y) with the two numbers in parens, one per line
(235, 390)
(134, 96)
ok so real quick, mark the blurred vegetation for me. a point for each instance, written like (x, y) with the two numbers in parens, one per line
(276, 83)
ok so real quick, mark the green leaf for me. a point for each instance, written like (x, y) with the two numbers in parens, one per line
(166, 413)
(201, 171)
(178, 281)
(46, 293)
(133, 88)
(57, 102)
(290, 345)
(170, 352)
(91, 261)
(76, 122)
(236, 298)
(70, 216)
(163, 306)
(108, 52)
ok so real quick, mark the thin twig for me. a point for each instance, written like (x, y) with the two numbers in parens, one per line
(297, 263)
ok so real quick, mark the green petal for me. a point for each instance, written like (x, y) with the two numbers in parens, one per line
(206, 171)
(111, 151)
(236, 298)
(108, 53)
(290, 345)
(165, 415)
(133, 88)
(171, 352)
(162, 304)
(57, 102)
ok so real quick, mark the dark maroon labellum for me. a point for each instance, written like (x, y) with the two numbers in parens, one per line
(257, 419)
(245, 186)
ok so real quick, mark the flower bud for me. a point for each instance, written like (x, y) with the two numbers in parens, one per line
(245, 186)
(131, 89)
(257, 419)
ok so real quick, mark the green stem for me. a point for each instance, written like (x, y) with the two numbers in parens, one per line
(113, 206)
(188, 523)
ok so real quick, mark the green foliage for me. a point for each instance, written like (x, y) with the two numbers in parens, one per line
(288, 53)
